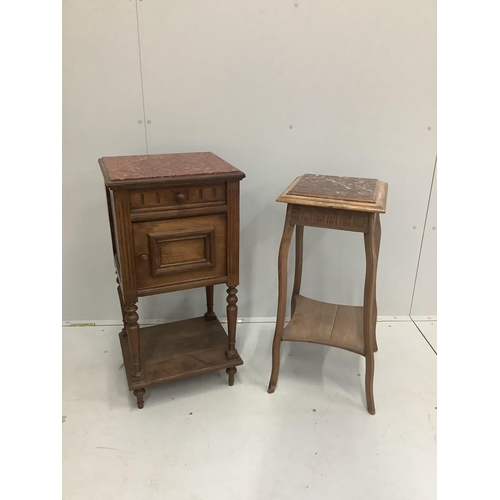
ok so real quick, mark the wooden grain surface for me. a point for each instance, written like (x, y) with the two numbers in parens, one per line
(177, 197)
(177, 350)
(329, 324)
(125, 246)
(174, 222)
(329, 218)
(312, 321)
(233, 234)
(372, 245)
(190, 271)
(282, 287)
(347, 331)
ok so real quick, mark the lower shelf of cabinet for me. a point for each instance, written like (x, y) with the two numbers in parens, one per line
(329, 324)
(178, 350)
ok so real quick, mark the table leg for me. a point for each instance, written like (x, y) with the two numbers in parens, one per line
(139, 394)
(282, 288)
(232, 313)
(231, 372)
(372, 242)
(133, 334)
(378, 234)
(299, 256)
(210, 315)
(122, 307)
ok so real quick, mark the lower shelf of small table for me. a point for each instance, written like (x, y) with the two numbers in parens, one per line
(330, 324)
(178, 350)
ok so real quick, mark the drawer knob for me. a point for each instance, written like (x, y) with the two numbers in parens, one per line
(180, 196)
(144, 256)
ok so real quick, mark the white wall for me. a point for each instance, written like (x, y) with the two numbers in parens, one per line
(102, 103)
(424, 302)
(356, 81)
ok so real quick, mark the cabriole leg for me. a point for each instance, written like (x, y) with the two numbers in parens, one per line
(372, 242)
(282, 283)
(299, 256)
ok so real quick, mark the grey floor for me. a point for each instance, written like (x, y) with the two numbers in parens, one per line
(201, 439)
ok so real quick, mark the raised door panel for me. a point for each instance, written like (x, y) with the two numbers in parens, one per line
(169, 253)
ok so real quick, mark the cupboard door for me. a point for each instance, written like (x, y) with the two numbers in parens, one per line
(180, 251)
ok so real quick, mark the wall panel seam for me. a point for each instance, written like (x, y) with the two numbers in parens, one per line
(423, 236)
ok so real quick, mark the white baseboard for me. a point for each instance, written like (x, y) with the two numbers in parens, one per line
(118, 322)
(253, 319)
(391, 319)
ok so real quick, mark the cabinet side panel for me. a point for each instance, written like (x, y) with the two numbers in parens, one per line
(233, 233)
(125, 242)
(109, 202)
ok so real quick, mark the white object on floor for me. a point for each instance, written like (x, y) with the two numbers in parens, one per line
(199, 438)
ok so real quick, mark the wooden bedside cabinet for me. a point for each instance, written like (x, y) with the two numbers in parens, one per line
(174, 222)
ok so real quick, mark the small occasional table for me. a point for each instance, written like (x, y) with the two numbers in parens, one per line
(174, 222)
(331, 202)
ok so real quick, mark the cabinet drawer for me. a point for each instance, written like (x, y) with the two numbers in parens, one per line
(176, 251)
(177, 197)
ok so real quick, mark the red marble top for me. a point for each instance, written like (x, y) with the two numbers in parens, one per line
(126, 168)
(337, 188)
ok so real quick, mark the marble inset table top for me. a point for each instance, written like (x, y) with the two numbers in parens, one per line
(159, 166)
(350, 193)
(339, 188)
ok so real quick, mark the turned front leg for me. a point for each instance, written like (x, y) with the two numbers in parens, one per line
(139, 394)
(133, 334)
(210, 315)
(122, 306)
(232, 313)
(231, 372)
